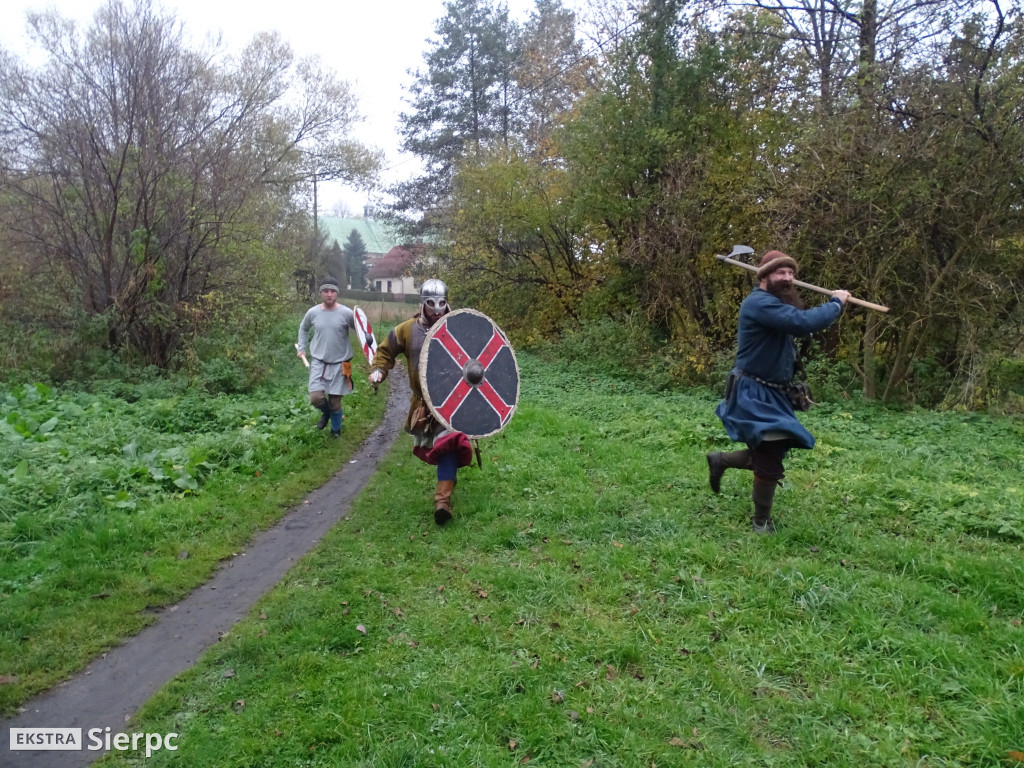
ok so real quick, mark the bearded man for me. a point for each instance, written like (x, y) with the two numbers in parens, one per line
(433, 443)
(756, 410)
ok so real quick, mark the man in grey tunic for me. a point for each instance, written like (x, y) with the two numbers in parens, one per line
(330, 367)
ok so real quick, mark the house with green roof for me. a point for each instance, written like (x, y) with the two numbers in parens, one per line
(377, 236)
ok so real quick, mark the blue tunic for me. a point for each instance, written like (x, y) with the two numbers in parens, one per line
(765, 349)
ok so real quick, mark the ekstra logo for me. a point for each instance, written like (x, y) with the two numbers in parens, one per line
(96, 739)
(41, 739)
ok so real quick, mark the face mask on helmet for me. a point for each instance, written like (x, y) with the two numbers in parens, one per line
(434, 295)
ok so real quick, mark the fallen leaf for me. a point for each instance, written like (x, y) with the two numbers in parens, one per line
(612, 673)
(616, 543)
(1015, 755)
(239, 705)
(228, 673)
(8, 679)
(482, 594)
(361, 628)
(525, 760)
(512, 745)
(557, 696)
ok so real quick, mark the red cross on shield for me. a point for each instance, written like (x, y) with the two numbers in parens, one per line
(469, 374)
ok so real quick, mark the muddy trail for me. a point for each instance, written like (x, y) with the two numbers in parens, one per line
(112, 687)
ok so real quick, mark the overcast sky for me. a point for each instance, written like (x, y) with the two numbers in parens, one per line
(369, 43)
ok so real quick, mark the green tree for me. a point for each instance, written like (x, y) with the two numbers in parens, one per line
(902, 191)
(337, 265)
(660, 159)
(355, 259)
(462, 101)
(518, 251)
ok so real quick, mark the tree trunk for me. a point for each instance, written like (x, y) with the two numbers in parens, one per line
(870, 370)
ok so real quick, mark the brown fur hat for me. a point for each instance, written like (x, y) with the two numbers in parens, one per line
(771, 261)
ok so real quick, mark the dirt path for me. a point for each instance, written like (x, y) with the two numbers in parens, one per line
(114, 686)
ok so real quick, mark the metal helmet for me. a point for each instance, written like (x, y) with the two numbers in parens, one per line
(434, 294)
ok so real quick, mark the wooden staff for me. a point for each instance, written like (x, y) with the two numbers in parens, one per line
(801, 283)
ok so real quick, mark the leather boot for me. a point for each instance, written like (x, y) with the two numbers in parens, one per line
(443, 501)
(325, 416)
(719, 462)
(763, 495)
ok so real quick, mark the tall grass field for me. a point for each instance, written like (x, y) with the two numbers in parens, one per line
(593, 604)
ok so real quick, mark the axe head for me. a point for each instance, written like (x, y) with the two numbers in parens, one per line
(741, 250)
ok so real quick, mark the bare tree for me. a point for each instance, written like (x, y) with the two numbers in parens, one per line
(148, 179)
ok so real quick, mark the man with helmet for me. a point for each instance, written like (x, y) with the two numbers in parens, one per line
(756, 409)
(330, 370)
(432, 442)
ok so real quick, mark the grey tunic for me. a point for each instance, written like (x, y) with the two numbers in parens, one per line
(329, 348)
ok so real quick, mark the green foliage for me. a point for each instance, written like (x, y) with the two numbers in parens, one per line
(1008, 376)
(461, 102)
(535, 271)
(624, 349)
(355, 259)
(132, 487)
(890, 174)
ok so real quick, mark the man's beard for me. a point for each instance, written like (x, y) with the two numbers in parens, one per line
(787, 294)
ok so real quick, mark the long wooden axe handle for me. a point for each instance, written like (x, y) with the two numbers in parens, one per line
(802, 284)
(302, 355)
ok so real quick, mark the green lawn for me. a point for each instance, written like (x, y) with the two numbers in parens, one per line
(593, 604)
(116, 499)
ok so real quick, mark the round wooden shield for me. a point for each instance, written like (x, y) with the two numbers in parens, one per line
(469, 374)
(365, 333)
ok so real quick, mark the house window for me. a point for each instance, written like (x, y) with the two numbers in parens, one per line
(380, 285)
(389, 286)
